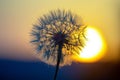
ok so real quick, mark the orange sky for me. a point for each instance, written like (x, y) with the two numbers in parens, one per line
(17, 18)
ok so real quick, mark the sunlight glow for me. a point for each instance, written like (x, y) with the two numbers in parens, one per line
(95, 46)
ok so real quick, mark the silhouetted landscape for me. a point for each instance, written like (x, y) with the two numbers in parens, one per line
(19, 70)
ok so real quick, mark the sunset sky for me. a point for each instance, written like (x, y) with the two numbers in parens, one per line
(17, 18)
(17, 56)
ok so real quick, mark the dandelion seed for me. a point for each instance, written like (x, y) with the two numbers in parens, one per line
(58, 35)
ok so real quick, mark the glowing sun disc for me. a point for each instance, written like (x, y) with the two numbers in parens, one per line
(95, 46)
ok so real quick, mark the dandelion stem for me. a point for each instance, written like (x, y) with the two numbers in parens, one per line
(58, 60)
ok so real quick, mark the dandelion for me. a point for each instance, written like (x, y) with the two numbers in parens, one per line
(57, 36)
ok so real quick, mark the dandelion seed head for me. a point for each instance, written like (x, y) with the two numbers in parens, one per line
(58, 27)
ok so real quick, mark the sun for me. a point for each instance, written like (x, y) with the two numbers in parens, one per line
(95, 46)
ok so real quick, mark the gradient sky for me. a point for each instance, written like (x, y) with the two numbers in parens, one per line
(18, 16)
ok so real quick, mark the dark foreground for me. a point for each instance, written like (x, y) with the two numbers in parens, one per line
(19, 70)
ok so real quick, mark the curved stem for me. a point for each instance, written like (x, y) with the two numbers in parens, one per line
(58, 60)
